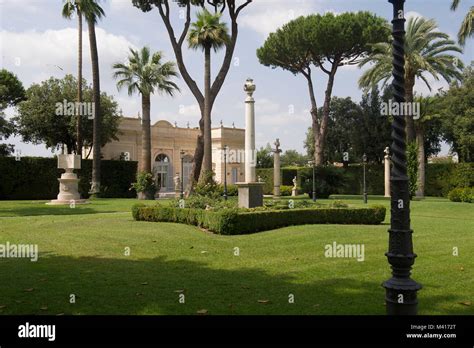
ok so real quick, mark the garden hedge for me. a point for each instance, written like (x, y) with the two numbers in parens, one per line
(441, 178)
(234, 221)
(37, 178)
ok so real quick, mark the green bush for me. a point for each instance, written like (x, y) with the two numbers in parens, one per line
(465, 195)
(145, 185)
(234, 221)
(37, 178)
(232, 190)
(286, 190)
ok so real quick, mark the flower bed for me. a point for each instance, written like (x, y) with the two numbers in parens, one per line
(233, 221)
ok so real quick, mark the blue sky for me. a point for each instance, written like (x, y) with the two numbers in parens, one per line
(36, 43)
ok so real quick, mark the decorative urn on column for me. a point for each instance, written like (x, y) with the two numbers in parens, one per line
(68, 183)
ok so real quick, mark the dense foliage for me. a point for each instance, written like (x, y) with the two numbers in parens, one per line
(40, 120)
(37, 178)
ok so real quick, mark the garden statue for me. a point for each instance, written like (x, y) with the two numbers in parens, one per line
(294, 191)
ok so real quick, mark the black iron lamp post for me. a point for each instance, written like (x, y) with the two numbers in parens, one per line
(400, 289)
(225, 171)
(182, 153)
(364, 160)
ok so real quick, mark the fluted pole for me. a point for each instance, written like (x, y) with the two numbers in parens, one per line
(400, 290)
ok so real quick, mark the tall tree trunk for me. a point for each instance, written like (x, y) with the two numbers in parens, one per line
(95, 187)
(146, 134)
(79, 84)
(314, 114)
(320, 137)
(199, 151)
(420, 139)
(410, 127)
(207, 160)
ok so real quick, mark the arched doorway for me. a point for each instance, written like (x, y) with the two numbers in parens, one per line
(163, 173)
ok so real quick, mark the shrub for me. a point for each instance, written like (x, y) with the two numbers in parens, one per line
(207, 186)
(234, 221)
(232, 190)
(339, 204)
(465, 195)
(145, 185)
(286, 190)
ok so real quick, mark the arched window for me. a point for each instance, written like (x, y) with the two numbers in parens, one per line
(162, 170)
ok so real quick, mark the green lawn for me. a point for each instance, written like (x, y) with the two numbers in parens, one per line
(82, 253)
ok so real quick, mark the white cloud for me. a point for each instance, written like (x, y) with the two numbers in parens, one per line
(265, 16)
(35, 56)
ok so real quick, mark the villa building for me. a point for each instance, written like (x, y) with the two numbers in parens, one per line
(170, 144)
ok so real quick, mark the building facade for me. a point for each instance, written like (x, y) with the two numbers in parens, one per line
(171, 144)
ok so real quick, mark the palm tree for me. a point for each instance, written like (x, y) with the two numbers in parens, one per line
(70, 7)
(427, 51)
(427, 114)
(467, 27)
(92, 12)
(145, 73)
(207, 33)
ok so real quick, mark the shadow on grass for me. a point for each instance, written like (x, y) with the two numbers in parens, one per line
(154, 286)
(44, 209)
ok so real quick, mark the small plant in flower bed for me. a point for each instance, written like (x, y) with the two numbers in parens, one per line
(284, 204)
(205, 202)
(339, 204)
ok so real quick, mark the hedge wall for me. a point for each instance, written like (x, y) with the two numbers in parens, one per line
(234, 221)
(36, 178)
(441, 178)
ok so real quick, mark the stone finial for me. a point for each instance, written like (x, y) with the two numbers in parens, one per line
(175, 124)
(249, 87)
(277, 145)
(187, 124)
(222, 124)
(233, 124)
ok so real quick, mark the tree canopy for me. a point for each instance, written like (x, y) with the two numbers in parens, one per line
(304, 44)
(38, 121)
(456, 109)
(11, 93)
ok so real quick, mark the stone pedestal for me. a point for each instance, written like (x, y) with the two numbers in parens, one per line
(387, 172)
(68, 183)
(250, 194)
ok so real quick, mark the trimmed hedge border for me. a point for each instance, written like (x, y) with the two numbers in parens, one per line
(37, 178)
(235, 222)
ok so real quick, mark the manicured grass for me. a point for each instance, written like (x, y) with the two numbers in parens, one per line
(82, 253)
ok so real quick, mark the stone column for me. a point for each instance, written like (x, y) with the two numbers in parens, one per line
(276, 170)
(250, 191)
(387, 172)
(250, 156)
